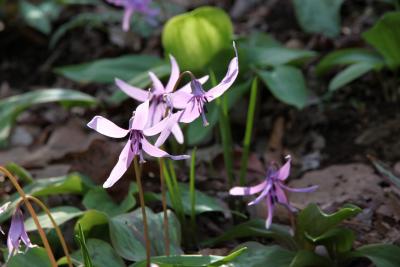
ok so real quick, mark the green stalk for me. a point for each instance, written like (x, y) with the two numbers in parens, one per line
(225, 131)
(248, 132)
(192, 191)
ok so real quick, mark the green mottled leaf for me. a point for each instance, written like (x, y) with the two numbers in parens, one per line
(60, 214)
(126, 232)
(34, 257)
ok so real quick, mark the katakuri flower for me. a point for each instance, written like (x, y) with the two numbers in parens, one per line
(159, 96)
(17, 233)
(137, 143)
(272, 190)
(132, 6)
(194, 102)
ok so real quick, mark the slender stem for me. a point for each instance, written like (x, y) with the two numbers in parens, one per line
(248, 132)
(53, 222)
(181, 77)
(33, 214)
(164, 205)
(142, 205)
(192, 190)
(226, 134)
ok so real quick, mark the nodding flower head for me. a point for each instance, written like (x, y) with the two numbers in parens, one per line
(137, 143)
(272, 189)
(194, 102)
(17, 233)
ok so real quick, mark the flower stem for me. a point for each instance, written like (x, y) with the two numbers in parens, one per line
(33, 214)
(164, 205)
(142, 205)
(53, 222)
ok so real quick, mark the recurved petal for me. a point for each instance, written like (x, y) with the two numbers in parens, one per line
(134, 92)
(264, 193)
(174, 74)
(171, 122)
(301, 190)
(191, 112)
(177, 132)
(284, 171)
(158, 153)
(245, 191)
(126, 21)
(270, 207)
(157, 84)
(141, 116)
(107, 127)
(16, 230)
(124, 161)
(227, 81)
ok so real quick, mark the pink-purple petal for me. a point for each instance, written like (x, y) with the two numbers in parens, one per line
(157, 84)
(173, 78)
(126, 21)
(158, 153)
(246, 191)
(177, 133)
(134, 92)
(191, 112)
(227, 81)
(301, 190)
(141, 116)
(270, 210)
(188, 89)
(264, 193)
(124, 161)
(180, 99)
(284, 171)
(107, 127)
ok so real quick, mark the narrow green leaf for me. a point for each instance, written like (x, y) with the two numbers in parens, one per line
(20, 172)
(385, 171)
(287, 84)
(84, 250)
(348, 57)
(192, 188)
(349, 74)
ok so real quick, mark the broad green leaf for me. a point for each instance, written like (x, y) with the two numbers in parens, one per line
(97, 198)
(73, 183)
(39, 16)
(204, 203)
(382, 255)
(106, 70)
(126, 232)
(287, 84)
(101, 254)
(34, 257)
(384, 36)
(349, 74)
(313, 222)
(306, 258)
(322, 16)
(12, 106)
(275, 56)
(347, 57)
(60, 214)
(196, 37)
(192, 260)
(386, 172)
(262, 256)
(196, 132)
(93, 223)
(335, 240)
(254, 228)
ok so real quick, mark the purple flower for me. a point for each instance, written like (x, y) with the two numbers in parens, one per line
(137, 142)
(272, 189)
(17, 233)
(159, 96)
(131, 6)
(194, 102)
